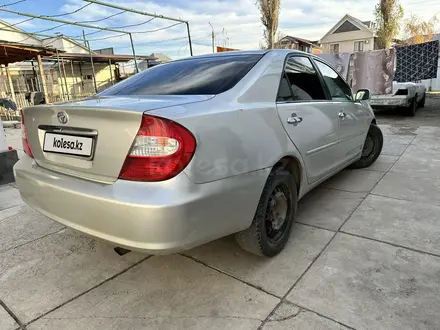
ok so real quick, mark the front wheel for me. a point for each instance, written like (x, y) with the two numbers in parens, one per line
(273, 220)
(422, 101)
(372, 147)
(411, 110)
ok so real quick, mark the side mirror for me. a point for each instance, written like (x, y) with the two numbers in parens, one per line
(362, 95)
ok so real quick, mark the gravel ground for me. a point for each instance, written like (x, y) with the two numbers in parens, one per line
(427, 116)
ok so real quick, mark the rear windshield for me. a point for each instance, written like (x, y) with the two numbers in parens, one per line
(201, 76)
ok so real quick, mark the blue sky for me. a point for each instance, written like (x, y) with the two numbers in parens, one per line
(236, 22)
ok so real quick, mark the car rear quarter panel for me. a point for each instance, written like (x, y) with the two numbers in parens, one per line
(238, 131)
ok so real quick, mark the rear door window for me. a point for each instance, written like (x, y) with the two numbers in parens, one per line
(338, 88)
(303, 80)
(198, 76)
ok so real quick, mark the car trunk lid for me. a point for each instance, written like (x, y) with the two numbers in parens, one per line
(90, 139)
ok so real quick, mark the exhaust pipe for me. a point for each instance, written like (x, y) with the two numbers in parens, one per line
(121, 251)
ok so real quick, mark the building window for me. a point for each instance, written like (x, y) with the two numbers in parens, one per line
(359, 46)
(334, 48)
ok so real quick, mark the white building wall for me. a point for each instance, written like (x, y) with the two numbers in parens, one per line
(17, 36)
(53, 42)
(63, 44)
(346, 41)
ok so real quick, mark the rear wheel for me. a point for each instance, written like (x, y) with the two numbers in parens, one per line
(411, 110)
(422, 101)
(273, 220)
(372, 147)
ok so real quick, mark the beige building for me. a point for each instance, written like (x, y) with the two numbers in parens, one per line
(349, 35)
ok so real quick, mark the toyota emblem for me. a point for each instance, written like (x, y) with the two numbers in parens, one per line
(63, 118)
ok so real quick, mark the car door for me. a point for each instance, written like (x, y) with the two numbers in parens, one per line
(352, 115)
(309, 119)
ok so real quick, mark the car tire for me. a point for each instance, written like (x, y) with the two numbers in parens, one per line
(411, 110)
(422, 101)
(271, 227)
(372, 147)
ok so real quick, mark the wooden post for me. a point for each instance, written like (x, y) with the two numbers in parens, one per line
(11, 85)
(43, 79)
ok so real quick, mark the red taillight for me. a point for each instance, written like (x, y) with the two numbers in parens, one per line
(161, 150)
(26, 146)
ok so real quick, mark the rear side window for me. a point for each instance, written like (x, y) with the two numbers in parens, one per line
(198, 76)
(302, 79)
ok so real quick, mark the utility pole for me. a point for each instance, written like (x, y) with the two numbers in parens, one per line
(212, 36)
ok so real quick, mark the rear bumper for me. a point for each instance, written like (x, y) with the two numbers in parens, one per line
(152, 217)
(390, 102)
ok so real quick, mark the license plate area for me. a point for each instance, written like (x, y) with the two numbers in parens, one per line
(69, 144)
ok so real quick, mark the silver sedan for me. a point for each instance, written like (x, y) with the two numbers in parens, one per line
(197, 149)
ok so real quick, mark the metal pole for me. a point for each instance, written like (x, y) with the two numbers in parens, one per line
(34, 73)
(11, 85)
(61, 21)
(74, 79)
(213, 37)
(93, 67)
(81, 74)
(134, 54)
(35, 34)
(43, 79)
(134, 10)
(84, 38)
(65, 80)
(60, 76)
(189, 39)
(98, 2)
(111, 73)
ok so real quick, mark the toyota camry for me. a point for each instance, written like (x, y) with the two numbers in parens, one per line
(197, 149)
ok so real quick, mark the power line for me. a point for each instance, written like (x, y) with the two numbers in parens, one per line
(103, 19)
(152, 42)
(93, 21)
(131, 25)
(70, 13)
(26, 20)
(12, 3)
(52, 28)
(122, 27)
(49, 16)
(132, 32)
(109, 37)
(150, 31)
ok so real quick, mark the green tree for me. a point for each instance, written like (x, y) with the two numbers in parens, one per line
(388, 15)
(270, 11)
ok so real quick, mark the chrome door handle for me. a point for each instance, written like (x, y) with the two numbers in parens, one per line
(294, 119)
(342, 114)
